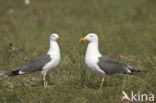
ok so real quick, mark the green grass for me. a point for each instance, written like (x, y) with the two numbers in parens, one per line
(127, 32)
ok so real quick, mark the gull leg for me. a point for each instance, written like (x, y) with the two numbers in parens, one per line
(44, 81)
(102, 81)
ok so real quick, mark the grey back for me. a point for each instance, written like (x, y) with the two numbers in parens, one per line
(110, 66)
(36, 65)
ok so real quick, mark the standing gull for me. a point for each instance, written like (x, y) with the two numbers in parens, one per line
(44, 63)
(101, 65)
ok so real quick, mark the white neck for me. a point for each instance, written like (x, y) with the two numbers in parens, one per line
(54, 48)
(93, 50)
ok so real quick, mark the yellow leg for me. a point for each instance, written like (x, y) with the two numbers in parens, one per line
(102, 81)
(44, 82)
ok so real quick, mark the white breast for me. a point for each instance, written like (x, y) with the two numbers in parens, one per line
(91, 63)
(51, 65)
(91, 58)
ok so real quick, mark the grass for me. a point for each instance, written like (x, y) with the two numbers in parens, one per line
(126, 30)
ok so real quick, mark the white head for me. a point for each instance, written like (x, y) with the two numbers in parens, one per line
(91, 37)
(54, 37)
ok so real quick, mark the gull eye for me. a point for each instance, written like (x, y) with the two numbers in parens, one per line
(91, 36)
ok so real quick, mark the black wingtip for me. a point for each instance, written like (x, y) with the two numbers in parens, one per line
(13, 73)
(137, 71)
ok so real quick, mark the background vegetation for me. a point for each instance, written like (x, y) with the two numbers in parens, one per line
(127, 32)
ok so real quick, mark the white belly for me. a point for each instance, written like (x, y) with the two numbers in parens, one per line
(51, 65)
(93, 67)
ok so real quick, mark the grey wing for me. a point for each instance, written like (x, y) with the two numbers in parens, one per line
(110, 66)
(35, 65)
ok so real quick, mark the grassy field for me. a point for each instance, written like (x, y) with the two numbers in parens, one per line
(127, 32)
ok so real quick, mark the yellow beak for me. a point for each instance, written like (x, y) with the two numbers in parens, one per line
(83, 39)
(59, 38)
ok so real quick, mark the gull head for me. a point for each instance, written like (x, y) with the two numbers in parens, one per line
(91, 37)
(54, 37)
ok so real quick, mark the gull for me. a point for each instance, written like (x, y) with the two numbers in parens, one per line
(101, 65)
(44, 63)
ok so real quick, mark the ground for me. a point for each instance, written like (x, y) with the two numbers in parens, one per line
(127, 33)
